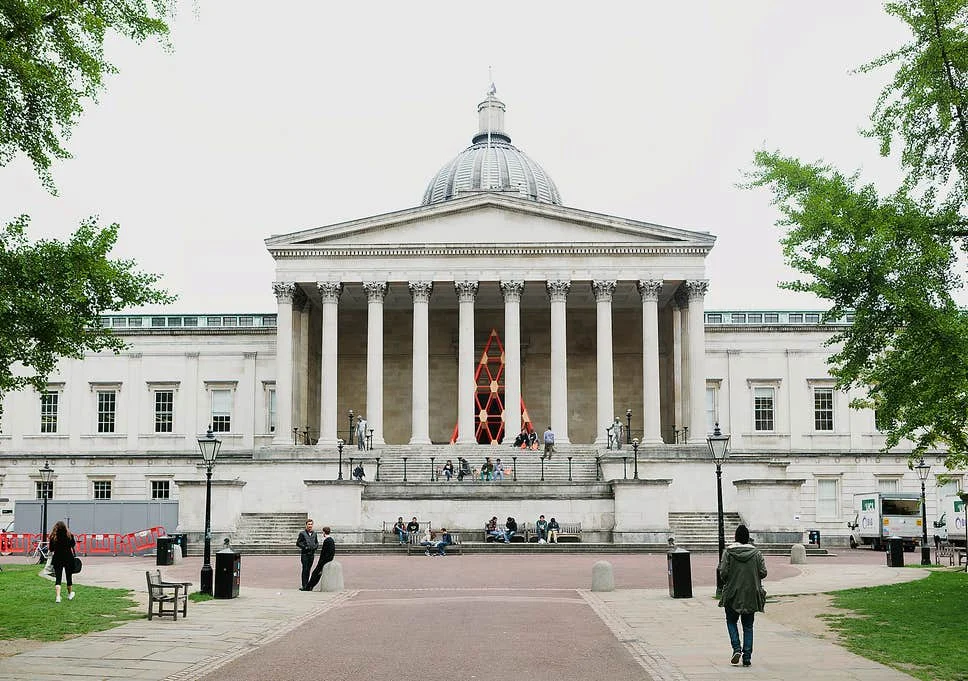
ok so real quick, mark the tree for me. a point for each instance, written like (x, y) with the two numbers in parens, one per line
(52, 59)
(52, 294)
(890, 261)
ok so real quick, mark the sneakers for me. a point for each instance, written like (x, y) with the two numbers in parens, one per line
(70, 596)
(426, 553)
(57, 600)
(735, 658)
(746, 662)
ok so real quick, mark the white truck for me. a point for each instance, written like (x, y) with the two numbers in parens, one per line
(880, 515)
(951, 521)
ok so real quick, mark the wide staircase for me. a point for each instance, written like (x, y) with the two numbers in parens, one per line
(260, 533)
(699, 531)
(526, 467)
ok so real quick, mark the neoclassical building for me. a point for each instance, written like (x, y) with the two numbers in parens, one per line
(449, 326)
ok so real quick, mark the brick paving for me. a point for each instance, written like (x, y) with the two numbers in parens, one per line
(479, 617)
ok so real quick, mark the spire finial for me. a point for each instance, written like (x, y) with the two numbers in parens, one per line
(491, 91)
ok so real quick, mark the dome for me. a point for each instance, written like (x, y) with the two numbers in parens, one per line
(491, 164)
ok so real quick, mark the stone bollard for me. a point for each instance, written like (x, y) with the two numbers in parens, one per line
(176, 555)
(798, 554)
(603, 578)
(332, 579)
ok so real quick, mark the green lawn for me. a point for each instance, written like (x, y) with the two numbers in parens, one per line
(28, 610)
(919, 627)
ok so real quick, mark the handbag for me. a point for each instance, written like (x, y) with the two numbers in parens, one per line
(77, 565)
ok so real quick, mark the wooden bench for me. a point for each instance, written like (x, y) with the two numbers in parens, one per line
(389, 536)
(161, 592)
(569, 532)
(453, 547)
(948, 550)
(520, 536)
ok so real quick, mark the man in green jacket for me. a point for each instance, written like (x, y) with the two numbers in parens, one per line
(741, 570)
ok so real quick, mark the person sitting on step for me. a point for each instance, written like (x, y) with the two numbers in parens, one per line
(498, 470)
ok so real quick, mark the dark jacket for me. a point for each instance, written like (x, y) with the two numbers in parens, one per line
(741, 569)
(63, 550)
(413, 526)
(307, 541)
(511, 525)
(553, 525)
(328, 552)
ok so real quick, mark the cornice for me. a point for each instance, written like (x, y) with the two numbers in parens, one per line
(444, 250)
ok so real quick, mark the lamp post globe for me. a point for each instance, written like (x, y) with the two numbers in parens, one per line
(922, 469)
(209, 445)
(719, 449)
(46, 475)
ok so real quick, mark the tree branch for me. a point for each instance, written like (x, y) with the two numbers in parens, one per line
(48, 18)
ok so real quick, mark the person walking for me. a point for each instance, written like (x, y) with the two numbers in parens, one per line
(549, 444)
(61, 546)
(308, 542)
(326, 554)
(741, 570)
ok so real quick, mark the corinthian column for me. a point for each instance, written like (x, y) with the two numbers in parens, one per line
(649, 290)
(558, 295)
(512, 357)
(375, 292)
(420, 409)
(604, 412)
(697, 361)
(329, 293)
(284, 291)
(466, 294)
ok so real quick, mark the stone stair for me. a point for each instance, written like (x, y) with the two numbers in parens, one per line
(276, 530)
(701, 529)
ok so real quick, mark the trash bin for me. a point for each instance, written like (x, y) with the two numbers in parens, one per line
(228, 570)
(680, 574)
(165, 554)
(182, 541)
(895, 552)
(813, 536)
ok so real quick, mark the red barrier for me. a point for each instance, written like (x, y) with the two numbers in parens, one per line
(143, 541)
(90, 544)
(97, 544)
(11, 542)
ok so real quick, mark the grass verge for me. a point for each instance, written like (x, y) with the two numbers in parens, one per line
(917, 627)
(29, 610)
(199, 597)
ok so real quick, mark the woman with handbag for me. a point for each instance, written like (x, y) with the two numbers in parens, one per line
(62, 555)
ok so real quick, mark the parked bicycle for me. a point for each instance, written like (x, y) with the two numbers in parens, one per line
(39, 552)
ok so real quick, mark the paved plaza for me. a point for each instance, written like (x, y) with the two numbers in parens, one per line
(483, 617)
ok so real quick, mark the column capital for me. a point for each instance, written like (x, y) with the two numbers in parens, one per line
(420, 291)
(558, 290)
(330, 291)
(375, 291)
(697, 288)
(466, 291)
(512, 291)
(649, 289)
(603, 290)
(284, 290)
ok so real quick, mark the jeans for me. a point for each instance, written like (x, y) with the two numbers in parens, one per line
(441, 548)
(448, 473)
(507, 535)
(402, 534)
(731, 618)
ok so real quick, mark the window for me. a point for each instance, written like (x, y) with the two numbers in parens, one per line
(771, 318)
(49, 401)
(887, 485)
(221, 411)
(796, 318)
(823, 409)
(812, 318)
(102, 489)
(738, 318)
(164, 410)
(161, 489)
(714, 318)
(271, 410)
(827, 495)
(763, 409)
(157, 321)
(107, 410)
(43, 489)
(712, 407)
(755, 318)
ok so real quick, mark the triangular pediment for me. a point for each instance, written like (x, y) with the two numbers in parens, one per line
(489, 218)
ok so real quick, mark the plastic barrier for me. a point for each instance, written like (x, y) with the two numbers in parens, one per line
(97, 544)
(18, 543)
(143, 541)
(89, 544)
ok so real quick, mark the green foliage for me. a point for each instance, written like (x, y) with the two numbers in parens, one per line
(52, 294)
(51, 59)
(29, 610)
(917, 627)
(200, 597)
(890, 261)
(926, 103)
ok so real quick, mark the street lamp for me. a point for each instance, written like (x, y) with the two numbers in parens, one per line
(350, 441)
(922, 470)
(209, 445)
(635, 448)
(46, 473)
(719, 448)
(339, 446)
(628, 426)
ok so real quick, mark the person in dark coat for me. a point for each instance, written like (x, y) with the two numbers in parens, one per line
(61, 544)
(741, 570)
(307, 542)
(325, 555)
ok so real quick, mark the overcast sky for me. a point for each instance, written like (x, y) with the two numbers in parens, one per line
(274, 117)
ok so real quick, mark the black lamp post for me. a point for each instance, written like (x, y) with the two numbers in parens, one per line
(339, 447)
(350, 441)
(628, 426)
(209, 445)
(922, 470)
(432, 468)
(514, 468)
(46, 474)
(635, 449)
(719, 448)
